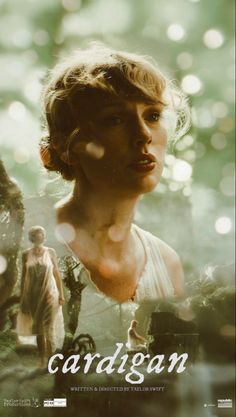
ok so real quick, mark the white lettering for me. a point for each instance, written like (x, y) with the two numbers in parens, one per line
(51, 360)
(174, 358)
(110, 359)
(89, 358)
(121, 368)
(106, 364)
(137, 360)
(72, 368)
(156, 367)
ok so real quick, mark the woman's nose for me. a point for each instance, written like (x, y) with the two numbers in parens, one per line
(141, 133)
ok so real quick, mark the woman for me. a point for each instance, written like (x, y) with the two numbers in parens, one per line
(109, 115)
(135, 341)
(41, 296)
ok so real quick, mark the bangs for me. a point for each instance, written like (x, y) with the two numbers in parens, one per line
(130, 81)
(123, 79)
(107, 72)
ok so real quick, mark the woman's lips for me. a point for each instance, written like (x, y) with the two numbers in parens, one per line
(144, 164)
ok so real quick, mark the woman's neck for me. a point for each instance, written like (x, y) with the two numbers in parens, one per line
(102, 224)
(104, 216)
(104, 240)
(38, 246)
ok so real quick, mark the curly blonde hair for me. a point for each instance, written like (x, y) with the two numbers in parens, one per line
(100, 70)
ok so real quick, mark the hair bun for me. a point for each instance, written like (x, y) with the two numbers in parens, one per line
(45, 152)
(51, 159)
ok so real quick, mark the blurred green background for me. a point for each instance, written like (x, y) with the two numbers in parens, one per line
(192, 40)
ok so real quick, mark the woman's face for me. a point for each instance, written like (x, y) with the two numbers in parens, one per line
(121, 146)
(38, 238)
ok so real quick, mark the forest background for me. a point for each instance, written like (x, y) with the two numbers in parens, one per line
(192, 40)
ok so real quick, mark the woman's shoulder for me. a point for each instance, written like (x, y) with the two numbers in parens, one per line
(63, 209)
(51, 251)
(170, 257)
(25, 253)
(173, 266)
(167, 252)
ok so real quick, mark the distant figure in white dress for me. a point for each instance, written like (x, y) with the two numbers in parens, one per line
(135, 341)
(42, 296)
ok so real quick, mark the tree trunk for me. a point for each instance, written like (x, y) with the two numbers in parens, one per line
(11, 226)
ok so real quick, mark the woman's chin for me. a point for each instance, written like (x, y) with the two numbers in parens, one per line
(147, 184)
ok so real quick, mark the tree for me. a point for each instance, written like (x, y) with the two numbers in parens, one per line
(11, 226)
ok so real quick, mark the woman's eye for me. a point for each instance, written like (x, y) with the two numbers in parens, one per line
(113, 120)
(153, 116)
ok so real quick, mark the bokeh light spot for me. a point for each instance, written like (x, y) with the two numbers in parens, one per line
(226, 125)
(228, 169)
(188, 140)
(116, 233)
(170, 160)
(213, 38)
(189, 155)
(182, 171)
(185, 142)
(227, 186)
(174, 186)
(191, 84)
(160, 188)
(21, 38)
(175, 32)
(32, 90)
(219, 109)
(65, 232)
(3, 264)
(95, 150)
(218, 141)
(41, 37)
(17, 111)
(223, 225)
(184, 60)
(166, 173)
(204, 118)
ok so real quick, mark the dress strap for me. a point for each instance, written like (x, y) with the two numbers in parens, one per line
(156, 282)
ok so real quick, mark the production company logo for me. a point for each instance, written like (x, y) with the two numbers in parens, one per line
(55, 402)
(227, 403)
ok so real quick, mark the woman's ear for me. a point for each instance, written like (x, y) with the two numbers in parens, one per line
(65, 157)
(71, 154)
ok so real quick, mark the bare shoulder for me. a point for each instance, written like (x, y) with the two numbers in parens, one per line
(25, 254)
(52, 252)
(61, 214)
(67, 211)
(63, 208)
(173, 266)
(169, 254)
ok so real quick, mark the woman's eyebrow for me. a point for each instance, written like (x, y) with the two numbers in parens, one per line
(154, 102)
(113, 104)
(120, 105)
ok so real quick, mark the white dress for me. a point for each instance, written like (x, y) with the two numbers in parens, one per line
(108, 320)
(40, 312)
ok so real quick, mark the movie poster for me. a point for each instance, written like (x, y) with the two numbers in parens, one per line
(72, 343)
